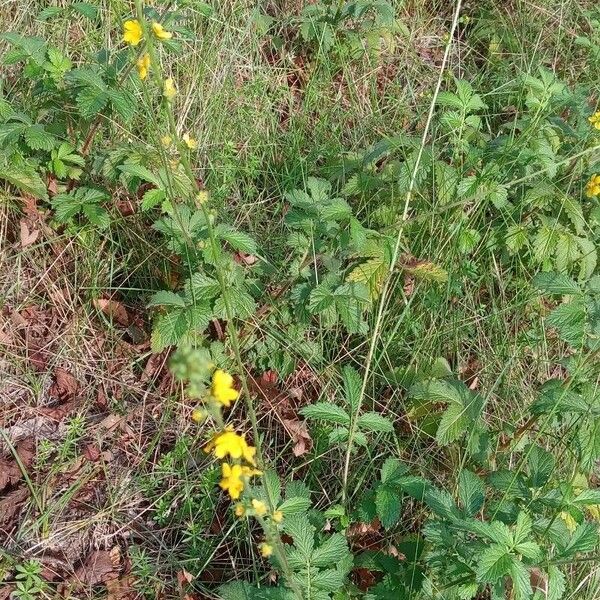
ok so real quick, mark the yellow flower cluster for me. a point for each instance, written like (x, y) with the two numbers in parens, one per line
(222, 389)
(595, 120)
(234, 477)
(133, 32)
(592, 188)
(169, 89)
(143, 65)
(230, 444)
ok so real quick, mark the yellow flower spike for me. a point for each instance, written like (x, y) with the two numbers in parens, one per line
(232, 481)
(222, 388)
(198, 415)
(595, 120)
(229, 443)
(160, 32)
(166, 141)
(277, 516)
(169, 89)
(143, 65)
(190, 142)
(259, 507)
(132, 32)
(240, 510)
(265, 549)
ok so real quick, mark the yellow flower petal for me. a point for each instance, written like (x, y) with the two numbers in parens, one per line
(222, 387)
(278, 516)
(169, 89)
(132, 32)
(265, 549)
(160, 32)
(143, 65)
(232, 481)
(190, 142)
(259, 507)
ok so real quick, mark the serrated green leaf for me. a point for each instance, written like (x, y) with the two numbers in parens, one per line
(583, 539)
(166, 298)
(294, 505)
(25, 178)
(152, 198)
(37, 138)
(392, 470)
(521, 581)
(387, 502)
(372, 421)
(556, 283)
(325, 411)
(471, 492)
(495, 562)
(302, 533)
(331, 551)
(541, 465)
(556, 583)
(453, 424)
(238, 240)
(352, 386)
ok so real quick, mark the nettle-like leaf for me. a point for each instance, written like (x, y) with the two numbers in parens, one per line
(463, 406)
(24, 176)
(82, 201)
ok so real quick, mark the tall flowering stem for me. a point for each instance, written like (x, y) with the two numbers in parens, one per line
(166, 86)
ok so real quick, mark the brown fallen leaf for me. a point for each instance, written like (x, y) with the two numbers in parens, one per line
(113, 309)
(99, 567)
(111, 422)
(120, 589)
(10, 505)
(298, 431)
(28, 236)
(9, 472)
(91, 452)
(65, 386)
(184, 578)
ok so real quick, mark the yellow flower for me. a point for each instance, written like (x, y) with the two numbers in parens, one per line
(229, 443)
(198, 415)
(132, 32)
(265, 549)
(592, 187)
(232, 481)
(595, 120)
(166, 140)
(278, 516)
(143, 65)
(201, 197)
(240, 510)
(222, 387)
(259, 507)
(169, 90)
(191, 143)
(160, 32)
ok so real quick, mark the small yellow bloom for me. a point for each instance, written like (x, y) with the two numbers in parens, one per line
(198, 415)
(229, 443)
(222, 387)
(265, 549)
(143, 65)
(592, 187)
(169, 90)
(278, 516)
(240, 510)
(259, 507)
(160, 32)
(595, 120)
(232, 481)
(166, 140)
(190, 142)
(132, 32)
(201, 197)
